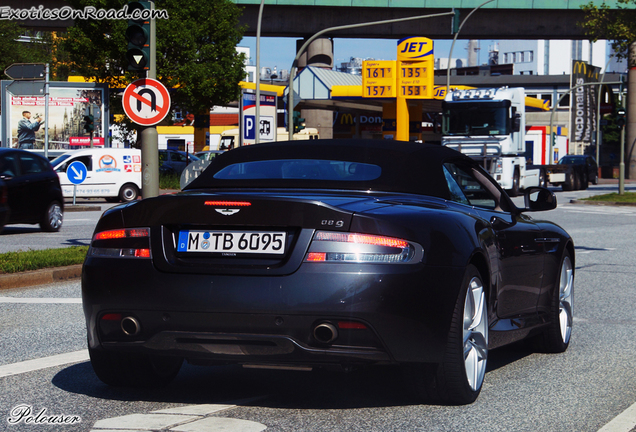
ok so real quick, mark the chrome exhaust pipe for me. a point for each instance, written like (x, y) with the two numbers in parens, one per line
(130, 326)
(325, 333)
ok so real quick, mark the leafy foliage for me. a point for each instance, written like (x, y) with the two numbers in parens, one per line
(617, 25)
(196, 53)
(13, 51)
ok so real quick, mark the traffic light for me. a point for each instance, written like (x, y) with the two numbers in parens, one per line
(620, 117)
(89, 123)
(299, 122)
(138, 36)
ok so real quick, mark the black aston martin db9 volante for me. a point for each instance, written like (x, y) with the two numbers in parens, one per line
(328, 253)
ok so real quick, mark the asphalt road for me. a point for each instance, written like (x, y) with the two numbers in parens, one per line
(76, 230)
(581, 390)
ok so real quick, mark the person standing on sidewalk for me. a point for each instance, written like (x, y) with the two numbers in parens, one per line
(27, 129)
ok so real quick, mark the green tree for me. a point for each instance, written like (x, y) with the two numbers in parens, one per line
(196, 55)
(617, 25)
(14, 51)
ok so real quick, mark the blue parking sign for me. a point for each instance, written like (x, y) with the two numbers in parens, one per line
(249, 127)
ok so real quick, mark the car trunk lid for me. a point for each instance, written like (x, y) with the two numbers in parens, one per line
(240, 233)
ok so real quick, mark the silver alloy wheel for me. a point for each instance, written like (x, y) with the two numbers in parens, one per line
(475, 334)
(55, 216)
(566, 297)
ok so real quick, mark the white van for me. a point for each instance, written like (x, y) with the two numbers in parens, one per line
(114, 174)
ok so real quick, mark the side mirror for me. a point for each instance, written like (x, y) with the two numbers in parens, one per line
(539, 199)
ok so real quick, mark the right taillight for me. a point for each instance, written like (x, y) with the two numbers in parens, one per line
(335, 247)
(121, 243)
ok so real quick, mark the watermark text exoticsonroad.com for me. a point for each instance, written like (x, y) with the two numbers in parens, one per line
(89, 12)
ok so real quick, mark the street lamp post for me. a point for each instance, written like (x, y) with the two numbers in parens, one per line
(292, 72)
(450, 54)
(257, 118)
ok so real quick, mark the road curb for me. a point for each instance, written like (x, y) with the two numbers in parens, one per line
(79, 208)
(603, 203)
(40, 277)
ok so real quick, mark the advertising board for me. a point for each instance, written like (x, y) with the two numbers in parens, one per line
(68, 104)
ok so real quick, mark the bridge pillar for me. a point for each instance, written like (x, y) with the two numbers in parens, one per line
(320, 119)
(318, 54)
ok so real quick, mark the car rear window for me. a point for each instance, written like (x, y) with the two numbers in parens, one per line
(300, 169)
(572, 161)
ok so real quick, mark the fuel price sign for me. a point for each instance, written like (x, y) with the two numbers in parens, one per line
(378, 79)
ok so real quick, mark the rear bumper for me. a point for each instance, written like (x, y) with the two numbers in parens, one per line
(402, 312)
(250, 349)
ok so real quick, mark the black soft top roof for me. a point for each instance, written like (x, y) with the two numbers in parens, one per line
(406, 167)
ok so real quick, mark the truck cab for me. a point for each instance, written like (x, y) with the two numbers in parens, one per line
(489, 125)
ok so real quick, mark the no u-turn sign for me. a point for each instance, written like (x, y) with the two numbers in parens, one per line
(146, 101)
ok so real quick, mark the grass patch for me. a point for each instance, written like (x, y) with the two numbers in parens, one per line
(13, 262)
(169, 181)
(627, 197)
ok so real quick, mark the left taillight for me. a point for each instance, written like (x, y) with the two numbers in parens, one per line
(328, 246)
(121, 243)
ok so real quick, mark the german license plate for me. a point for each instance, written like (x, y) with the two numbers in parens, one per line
(232, 242)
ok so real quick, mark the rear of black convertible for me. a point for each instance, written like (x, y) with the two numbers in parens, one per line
(326, 273)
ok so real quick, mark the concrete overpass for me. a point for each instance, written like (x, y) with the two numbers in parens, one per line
(501, 19)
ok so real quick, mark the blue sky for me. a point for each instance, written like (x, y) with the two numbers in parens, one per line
(280, 52)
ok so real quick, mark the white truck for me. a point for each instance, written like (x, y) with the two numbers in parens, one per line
(488, 124)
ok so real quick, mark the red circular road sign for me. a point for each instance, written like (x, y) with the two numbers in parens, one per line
(146, 101)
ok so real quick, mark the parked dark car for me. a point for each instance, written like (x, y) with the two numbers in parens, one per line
(208, 155)
(323, 254)
(585, 170)
(4, 204)
(32, 188)
(174, 161)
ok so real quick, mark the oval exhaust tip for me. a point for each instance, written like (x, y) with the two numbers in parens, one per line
(130, 326)
(325, 333)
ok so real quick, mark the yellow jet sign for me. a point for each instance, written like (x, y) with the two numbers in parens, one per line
(415, 65)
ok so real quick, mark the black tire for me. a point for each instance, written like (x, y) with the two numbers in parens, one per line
(577, 182)
(459, 378)
(568, 185)
(556, 337)
(128, 192)
(515, 184)
(543, 179)
(119, 369)
(52, 218)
